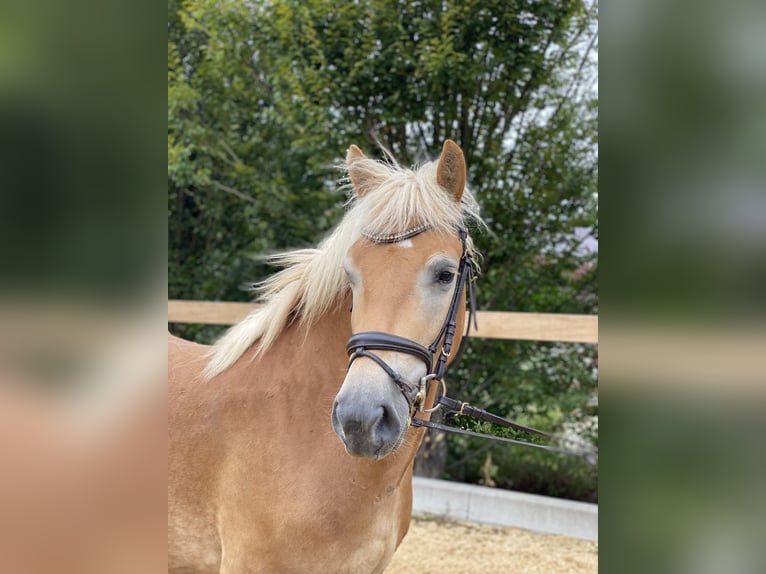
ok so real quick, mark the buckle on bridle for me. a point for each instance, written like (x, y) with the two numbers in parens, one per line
(420, 397)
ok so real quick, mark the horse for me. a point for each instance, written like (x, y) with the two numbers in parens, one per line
(286, 456)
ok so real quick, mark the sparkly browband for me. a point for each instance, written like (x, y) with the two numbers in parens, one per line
(396, 237)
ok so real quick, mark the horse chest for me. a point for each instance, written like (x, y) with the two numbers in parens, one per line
(317, 540)
(336, 515)
(359, 544)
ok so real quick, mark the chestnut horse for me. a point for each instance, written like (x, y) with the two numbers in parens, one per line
(283, 456)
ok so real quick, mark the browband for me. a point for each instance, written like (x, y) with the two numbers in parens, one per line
(396, 237)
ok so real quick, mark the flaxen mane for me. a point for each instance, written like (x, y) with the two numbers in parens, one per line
(312, 281)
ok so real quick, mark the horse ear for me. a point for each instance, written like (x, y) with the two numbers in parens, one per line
(450, 173)
(354, 153)
(358, 177)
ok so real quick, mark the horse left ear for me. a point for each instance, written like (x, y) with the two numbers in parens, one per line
(450, 173)
(359, 178)
(353, 154)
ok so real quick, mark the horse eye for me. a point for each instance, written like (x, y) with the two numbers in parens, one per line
(445, 277)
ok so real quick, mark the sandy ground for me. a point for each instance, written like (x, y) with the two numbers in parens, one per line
(436, 546)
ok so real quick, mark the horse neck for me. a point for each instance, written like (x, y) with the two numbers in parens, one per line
(308, 365)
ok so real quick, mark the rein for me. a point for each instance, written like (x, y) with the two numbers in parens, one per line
(588, 456)
(363, 344)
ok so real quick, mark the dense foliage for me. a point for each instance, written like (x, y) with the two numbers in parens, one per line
(263, 100)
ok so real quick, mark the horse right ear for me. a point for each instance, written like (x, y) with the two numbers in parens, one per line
(360, 179)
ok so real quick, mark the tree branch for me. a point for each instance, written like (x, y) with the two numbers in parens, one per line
(234, 192)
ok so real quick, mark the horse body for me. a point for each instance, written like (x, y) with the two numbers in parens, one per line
(283, 455)
(265, 484)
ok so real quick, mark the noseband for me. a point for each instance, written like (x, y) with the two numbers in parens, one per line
(362, 344)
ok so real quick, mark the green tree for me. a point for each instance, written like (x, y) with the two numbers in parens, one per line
(264, 98)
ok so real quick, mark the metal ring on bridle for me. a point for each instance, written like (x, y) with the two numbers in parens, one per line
(438, 404)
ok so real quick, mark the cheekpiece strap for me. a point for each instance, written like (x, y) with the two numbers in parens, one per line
(396, 237)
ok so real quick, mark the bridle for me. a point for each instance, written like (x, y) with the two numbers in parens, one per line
(363, 344)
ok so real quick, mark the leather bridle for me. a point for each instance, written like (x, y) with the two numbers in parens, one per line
(363, 344)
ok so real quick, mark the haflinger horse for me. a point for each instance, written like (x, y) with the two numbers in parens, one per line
(286, 457)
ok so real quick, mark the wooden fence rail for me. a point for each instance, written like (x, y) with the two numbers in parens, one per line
(492, 324)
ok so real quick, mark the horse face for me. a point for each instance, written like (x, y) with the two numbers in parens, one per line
(402, 289)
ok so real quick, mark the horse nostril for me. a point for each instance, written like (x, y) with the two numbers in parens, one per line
(386, 428)
(374, 422)
(372, 418)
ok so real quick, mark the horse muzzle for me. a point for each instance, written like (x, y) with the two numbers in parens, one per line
(370, 417)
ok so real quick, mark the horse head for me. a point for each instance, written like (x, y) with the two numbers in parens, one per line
(407, 273)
